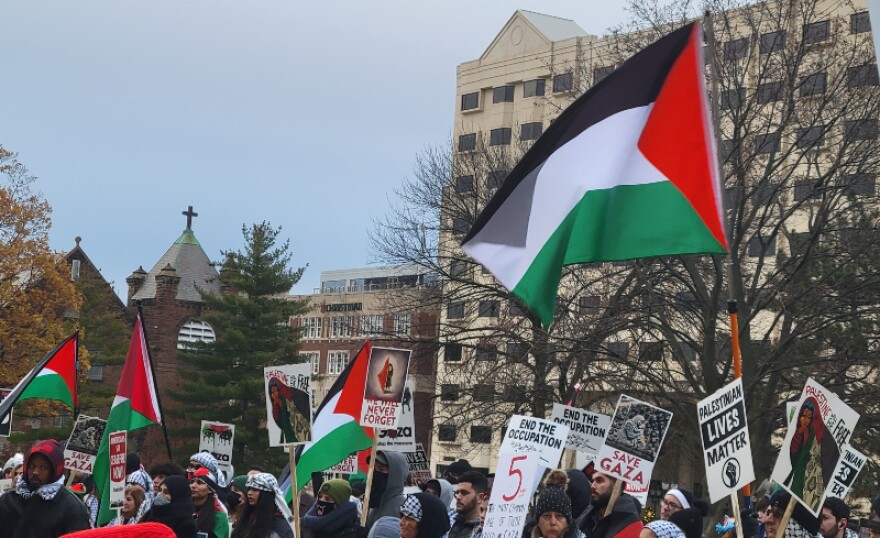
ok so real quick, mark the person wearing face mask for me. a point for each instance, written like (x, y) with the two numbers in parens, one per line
(386, 491)
(266, 514)
(173, 507)
(236, 498)
(333, 514)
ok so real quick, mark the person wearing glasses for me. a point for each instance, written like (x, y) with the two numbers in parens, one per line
(802, 524)
(677, 499)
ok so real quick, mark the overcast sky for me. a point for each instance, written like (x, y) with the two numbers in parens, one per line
(304, 114)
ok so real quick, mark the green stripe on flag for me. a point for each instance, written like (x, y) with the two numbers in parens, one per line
(48, 386)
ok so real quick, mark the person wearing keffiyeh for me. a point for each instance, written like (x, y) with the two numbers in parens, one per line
(210, 513)
(266, 514)
(40, 506)
(423, 515)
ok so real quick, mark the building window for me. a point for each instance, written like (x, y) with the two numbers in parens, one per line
(813, 85)
(401, 324)
(460, 226)
(486, 353)
(860, 184)
(499, 137)
(729, 148)
(769, 92)
(488, 309)
(860, 23)
(311, 328)
(514, 394)
(534, 88)
(517, 352)
(336, 362)
(464, 184)
(817, 32)
(514, 309)
(96, 372)
(483, 392)
(766, 194)
(481, 434)
(762, 246)
(563, 82)
(455, 310)
(457, 268)
(447, 433)
(470, 101)
(467, 142)
(340, 327)
(313, 358)
(502, 94)
(496, 178)
(651, 351)
(772, 42)
(860, 130)
(618, 349)
(74, 269)
(804, 190)
(601, 72)
(589, 304)
(767, 143)
(452, 352)
(736, 50)
(194, 331)
(449, 392)
(371, 325)
(813, 137)
(862, 75)
(731, 99)
(531, 131)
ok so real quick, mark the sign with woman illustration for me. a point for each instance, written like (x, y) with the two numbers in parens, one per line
(817, 431)
(384, 387)
(288, 404)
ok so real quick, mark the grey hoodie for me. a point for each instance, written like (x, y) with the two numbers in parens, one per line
(393, 496)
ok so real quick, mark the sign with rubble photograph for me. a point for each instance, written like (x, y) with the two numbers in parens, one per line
(81, 449)
(724, 430)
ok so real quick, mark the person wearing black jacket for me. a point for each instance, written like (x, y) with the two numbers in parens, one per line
(423, 515)
(39, 505)
(333, 514)
(623, 521)
(173, 507)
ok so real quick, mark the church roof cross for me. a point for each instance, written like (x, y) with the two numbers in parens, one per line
(189, 216)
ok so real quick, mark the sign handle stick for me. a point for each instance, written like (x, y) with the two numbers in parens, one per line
(615, 494)
(783, 523)
(734, 503)
(366, 510)
(70, 477)
(295, 490)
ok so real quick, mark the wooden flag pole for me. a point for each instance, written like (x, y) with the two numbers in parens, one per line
(615, 494)
(734, 503)
(783, 523)
(295, 492)
(369, 485)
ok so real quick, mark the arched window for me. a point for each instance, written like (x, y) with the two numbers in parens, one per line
(194, 331)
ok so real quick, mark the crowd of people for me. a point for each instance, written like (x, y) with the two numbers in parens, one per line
(197, 502)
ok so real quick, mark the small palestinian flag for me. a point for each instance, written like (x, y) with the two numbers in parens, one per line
(628, 171)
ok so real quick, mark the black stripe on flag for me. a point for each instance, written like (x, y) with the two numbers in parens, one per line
(634, 84)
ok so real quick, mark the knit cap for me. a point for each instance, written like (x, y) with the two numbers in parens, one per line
(553, 498)
(338, 489)
(52, 451)
(240, 482)
(13, 462)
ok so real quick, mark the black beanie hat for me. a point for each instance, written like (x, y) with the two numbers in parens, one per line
(690, 520)
(553, 497)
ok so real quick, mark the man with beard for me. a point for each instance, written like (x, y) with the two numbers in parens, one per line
(834, 518)
(471, 486)
(623, 521)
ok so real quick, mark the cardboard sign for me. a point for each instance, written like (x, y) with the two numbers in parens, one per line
(634, 439)
(727, 451)
(402, 438)
(639, 492)
(419, 466)
(816, 435)
(288, 403)
(587, 430)
(81, 450)
(530, 434)
(5, 485)
(384, 388)
(347, 466)
(6, 423)
(515, 478)
(118, 450)
(217, 438)
(848, 468)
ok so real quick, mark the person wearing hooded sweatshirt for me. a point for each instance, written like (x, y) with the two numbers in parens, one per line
(40, 506)
(173, 507)
(423, 515)
(622, 522)
(333, 514)
(266, 514)
(441, 488)
(386, 491)
(578, 491)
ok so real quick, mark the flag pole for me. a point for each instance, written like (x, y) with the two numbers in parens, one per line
(153, 372)
(732, 310)
(369, 485)
(295, 490)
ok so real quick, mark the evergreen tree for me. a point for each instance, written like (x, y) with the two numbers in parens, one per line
(223, 380)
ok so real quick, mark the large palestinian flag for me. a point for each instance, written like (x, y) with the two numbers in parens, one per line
(136, 405)
(628, 171)
(53, 378)
(336, 433)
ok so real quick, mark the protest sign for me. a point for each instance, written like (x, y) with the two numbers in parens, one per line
(6, 424)
(288, 403)
(530, 434)
(5, 485)
(217, 438)
(347, 466)
(384, 387)
(726, 449)
(634, 439)
(639, 492)
(816, 434)
(419, 466)
(117, 452)
(403, 437)
(81, 449)
(515, 477)
(848, 467)
(587, 430)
